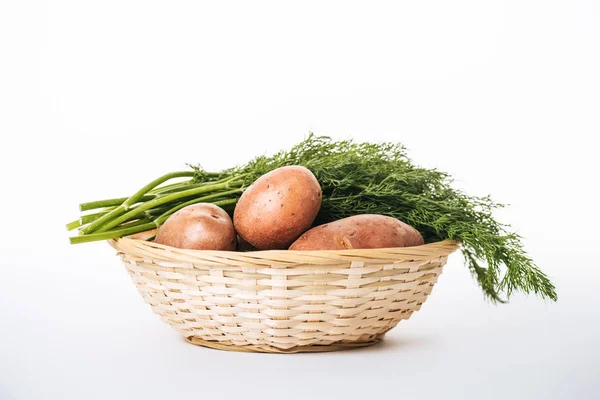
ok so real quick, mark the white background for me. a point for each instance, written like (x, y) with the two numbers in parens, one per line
(97, 98)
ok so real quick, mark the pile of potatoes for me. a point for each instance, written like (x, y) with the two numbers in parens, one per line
(277, 212)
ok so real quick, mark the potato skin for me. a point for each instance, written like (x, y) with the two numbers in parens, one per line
(201, 226)
(365, 231)
(278, 207)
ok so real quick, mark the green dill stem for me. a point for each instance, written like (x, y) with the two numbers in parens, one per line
(152, 214)
(211, 174)
(156, 211)
(92, 237)
(135, 223)
(161, 189)
(140, 193)
(92, 205)
(86, 219)
(130, 229)
(162, 218)
(181, 188)
(73, 225)
(132, 200)
(177, 186)
(111, 223)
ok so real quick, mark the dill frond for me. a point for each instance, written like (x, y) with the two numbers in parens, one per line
(379, 178)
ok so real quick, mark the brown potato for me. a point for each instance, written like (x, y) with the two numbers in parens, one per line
(201, 226)
(366, 231)
(278, 207)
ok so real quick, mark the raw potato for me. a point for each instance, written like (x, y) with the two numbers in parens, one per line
(366, 231)
(201, 226)
(278, 207)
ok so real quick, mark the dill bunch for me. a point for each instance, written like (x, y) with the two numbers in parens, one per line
(356, 178)
(379, 178)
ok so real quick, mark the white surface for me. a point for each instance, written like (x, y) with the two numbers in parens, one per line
(97, 98)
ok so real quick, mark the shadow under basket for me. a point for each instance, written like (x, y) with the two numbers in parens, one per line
(282, 301)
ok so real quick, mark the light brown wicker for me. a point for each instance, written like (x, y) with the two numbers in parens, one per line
(282, 301)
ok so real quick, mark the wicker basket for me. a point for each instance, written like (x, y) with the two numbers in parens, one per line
(283, 301)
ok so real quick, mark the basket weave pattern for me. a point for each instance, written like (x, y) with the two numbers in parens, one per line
(283, 301)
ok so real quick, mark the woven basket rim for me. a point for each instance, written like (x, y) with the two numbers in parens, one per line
(150, 250)
(444, 243)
